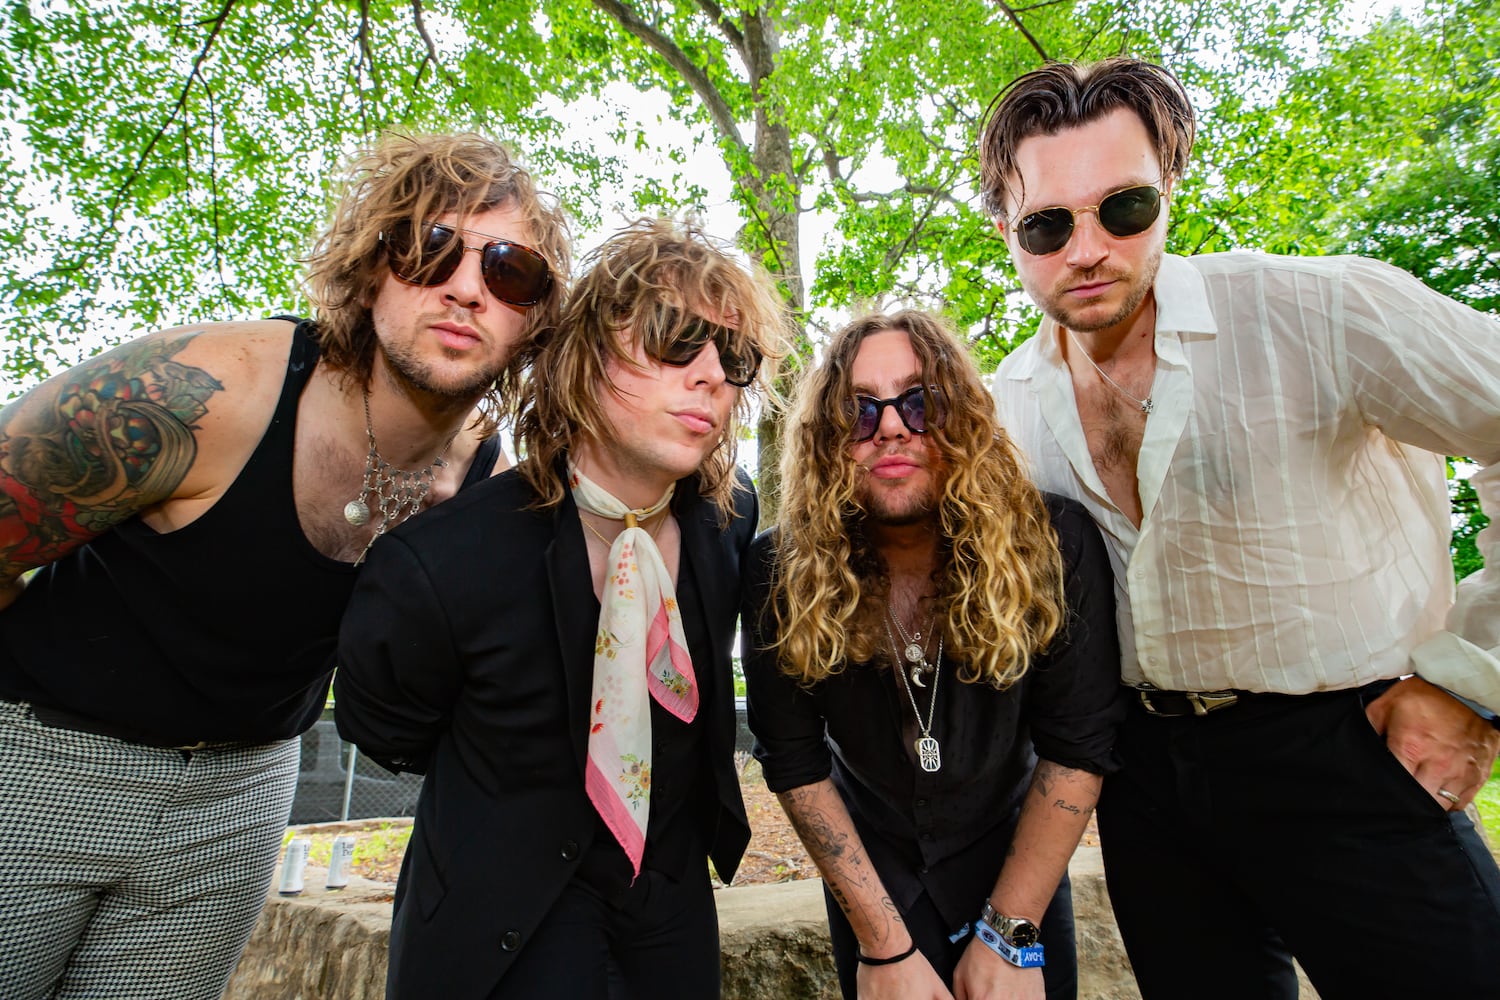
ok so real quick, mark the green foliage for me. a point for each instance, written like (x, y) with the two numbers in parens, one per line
(168, 162)
(1468, 520)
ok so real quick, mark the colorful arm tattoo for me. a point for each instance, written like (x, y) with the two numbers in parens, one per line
(88, 450)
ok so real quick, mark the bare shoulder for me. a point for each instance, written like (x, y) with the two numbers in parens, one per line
(130, 428)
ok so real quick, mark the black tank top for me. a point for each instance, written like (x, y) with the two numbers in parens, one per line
(222, 630)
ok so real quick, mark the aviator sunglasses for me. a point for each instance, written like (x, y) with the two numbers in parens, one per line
(514, 273)
(1124, 213)
(739, 364)
(914, 407)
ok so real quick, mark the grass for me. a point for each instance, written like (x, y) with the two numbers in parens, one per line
(1488, 801)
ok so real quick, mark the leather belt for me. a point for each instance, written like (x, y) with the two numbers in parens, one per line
(1171, 704)
(59, 719)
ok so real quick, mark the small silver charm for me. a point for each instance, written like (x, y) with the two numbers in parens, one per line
(928, 754)
(356, 513)
(916, 677)
(913, 653)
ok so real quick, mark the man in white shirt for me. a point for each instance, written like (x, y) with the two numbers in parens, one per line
(1259, 438)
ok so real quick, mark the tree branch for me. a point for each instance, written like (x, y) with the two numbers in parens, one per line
(431, 58)
(187, 85)
(926, 190)
(713, 101)
(1016, 20)
(726, 27)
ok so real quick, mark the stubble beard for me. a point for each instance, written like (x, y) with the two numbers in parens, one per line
(1069, 319)
(880, 510)
(419, 376)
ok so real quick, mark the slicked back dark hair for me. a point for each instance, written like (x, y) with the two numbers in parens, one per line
(1066, 95)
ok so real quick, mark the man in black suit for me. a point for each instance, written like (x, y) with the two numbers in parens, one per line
(553, 651)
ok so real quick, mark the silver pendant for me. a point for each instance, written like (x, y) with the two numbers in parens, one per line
(356, 513)
(1147, 406)
(928, 754)
(916, 676)
(913, 653)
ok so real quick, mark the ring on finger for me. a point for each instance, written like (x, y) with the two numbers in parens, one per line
(1448, 795)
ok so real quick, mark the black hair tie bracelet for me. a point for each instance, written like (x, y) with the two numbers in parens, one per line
(866, 960)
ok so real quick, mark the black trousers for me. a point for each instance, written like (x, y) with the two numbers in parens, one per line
(656, 940)
(931, 934)
(1283, 826)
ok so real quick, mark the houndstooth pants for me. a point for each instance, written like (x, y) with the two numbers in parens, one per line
(128, 871)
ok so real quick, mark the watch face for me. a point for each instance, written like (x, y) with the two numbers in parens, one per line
(1022, 933)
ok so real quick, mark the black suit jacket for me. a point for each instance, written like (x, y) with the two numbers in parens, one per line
(467, 653)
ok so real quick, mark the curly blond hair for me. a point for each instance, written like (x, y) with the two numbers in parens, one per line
(999, 580)
(644, 282)
(412, 179)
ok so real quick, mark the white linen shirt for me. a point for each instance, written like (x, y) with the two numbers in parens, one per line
(1295, 528)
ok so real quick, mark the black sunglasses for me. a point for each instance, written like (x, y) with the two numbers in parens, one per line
(914, 406)
(513, 272)
(740, 365)
(1124, 213)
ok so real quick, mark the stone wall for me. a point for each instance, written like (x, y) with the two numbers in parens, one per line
(774, 942)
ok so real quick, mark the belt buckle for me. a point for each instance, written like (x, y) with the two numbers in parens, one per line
(193, 747)
(1204, 702)
(1144, 694)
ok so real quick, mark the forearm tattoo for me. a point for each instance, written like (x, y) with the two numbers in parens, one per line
(113, 436)
(1048, 783)
(841, 861)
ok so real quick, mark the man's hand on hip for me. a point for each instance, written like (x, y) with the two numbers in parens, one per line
(1444, 745)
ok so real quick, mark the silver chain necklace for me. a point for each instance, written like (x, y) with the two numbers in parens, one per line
(398, 493)
(916, 649)
(1145, 404)
(929, 754)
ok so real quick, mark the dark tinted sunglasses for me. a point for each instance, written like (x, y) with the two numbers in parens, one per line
(916, 407)
(513, 272)
(740, 365)
(1125, 213)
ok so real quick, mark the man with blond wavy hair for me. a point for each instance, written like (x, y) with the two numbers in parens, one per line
(933, 673)
(553, 650)
(198, 502)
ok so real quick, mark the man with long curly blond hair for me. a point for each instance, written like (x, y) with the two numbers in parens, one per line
(553, 650)
(933, 673)
(199, 500)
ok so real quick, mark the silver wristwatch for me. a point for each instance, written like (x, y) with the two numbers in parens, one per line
(1017, 931)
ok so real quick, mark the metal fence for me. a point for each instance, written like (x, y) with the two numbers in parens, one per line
(326, 792)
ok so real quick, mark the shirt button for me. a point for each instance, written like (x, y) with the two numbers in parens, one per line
(569, 850)
(926, 836)
(921, 803)
(510, 941)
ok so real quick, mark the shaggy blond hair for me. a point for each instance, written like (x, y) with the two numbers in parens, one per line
(999, 579)
(646, 282)
(411, 179)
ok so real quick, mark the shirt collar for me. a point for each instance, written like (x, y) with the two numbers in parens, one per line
(1182, 306)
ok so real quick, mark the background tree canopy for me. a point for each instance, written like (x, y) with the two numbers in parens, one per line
(166, 163)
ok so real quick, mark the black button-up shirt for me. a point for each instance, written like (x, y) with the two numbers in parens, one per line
(946, 831)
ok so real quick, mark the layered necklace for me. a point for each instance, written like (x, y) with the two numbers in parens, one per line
(1146, 404)
(929, 754)
(396, 493)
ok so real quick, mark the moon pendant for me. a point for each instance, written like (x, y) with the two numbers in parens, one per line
(913, 653)
(916, 677)
(356, 513)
